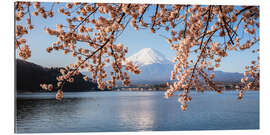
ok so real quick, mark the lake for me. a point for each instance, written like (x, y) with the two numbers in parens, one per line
(134, 111)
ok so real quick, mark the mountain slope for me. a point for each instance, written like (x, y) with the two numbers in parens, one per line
(148, 56)
(154, 66)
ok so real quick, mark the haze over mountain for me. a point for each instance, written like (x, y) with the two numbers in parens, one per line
(156, 68)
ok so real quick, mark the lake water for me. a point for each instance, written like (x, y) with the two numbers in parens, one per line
(134, 111)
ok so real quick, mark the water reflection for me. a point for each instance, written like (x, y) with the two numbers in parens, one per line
(138, 114)
(43, 114)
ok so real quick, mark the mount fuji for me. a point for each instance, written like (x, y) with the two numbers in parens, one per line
(148, 56)
(156, 68)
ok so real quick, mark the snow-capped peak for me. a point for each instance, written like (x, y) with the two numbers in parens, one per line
(148, 56)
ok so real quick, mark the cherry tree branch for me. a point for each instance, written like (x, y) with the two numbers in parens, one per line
(225, 25)
(84, 20)
(244, 9)
(140, 18)
(206, 27)
(195, 65)
(155, 17)
(103, 45)
(185, 23)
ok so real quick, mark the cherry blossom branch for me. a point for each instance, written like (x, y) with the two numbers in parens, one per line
(244, 9)
(103, 45)
(76, 52)
(155, 17)
(195, 65)
(225, 25)
(185, 23)
(211, 84)
(206, 27)
(140, 18)
(119, 69)
(84, 19)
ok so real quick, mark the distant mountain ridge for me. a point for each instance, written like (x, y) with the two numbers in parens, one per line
(156, 68)
(228, 76)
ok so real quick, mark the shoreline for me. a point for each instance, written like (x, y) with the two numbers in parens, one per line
(121, 91)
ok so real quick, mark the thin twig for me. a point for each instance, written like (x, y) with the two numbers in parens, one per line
(201, 54)
(185, 23)
(84, 20)
(155, 17)
(244, 9)
(225, 25)
(143, 12)
(206, 27)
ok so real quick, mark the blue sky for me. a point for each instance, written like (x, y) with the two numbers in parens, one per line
(38, 41)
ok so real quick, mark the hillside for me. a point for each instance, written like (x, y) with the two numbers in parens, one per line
(29, 76)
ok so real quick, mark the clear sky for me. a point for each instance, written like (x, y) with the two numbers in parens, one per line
(38, 41)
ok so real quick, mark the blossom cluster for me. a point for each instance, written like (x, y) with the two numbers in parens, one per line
(24, 24)
(251, 78)
(48, 87)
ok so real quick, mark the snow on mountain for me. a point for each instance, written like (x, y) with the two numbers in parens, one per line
(154, 66)
(148, 56)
